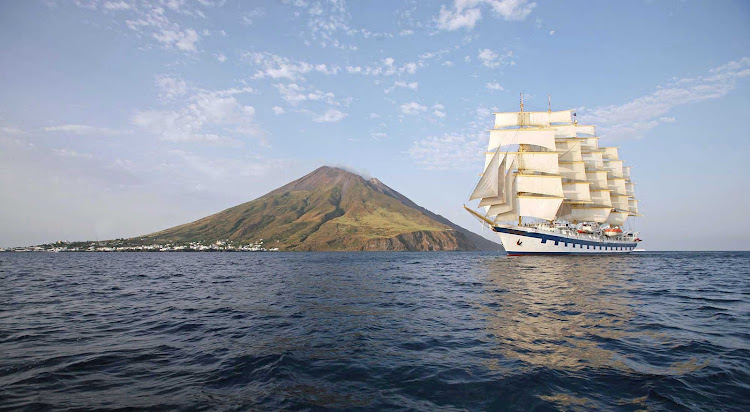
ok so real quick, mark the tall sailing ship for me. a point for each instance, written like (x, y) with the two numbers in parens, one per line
(548, 188)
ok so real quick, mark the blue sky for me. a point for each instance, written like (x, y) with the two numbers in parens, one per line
(119, 118)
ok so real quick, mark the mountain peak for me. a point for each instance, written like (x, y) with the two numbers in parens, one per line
(322, 177)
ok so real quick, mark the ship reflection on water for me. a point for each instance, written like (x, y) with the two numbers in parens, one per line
(547, 310)
(568, 318)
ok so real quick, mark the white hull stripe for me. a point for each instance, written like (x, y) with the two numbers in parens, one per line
(565, 240)
(516, 253)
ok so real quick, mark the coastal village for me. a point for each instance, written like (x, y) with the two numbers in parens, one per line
(123, 245)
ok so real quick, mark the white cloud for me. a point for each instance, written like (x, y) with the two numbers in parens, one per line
(80, 129)
(148, 13)
(491, 59)
(277, 110)
(221, 57)
(494, 86)
(330, 116)
(406, 32)
(511, 9)
(182, 40)
(454, 150)
(208, 116)
(412, 85)
(634, 118)
(374, 116)
(447, 152)
(250, 16)
(222, 168)
(412, 108)
(457, 19)
(229, 92)
(402, 84)
(170, 87)
(378, 135)
(278, 67)
(466, 13)
(9, 131)
(386, 68)
(438, 110)
(487, 57)
(551, 32)
(325, 22)
(72, 153)
(147, 18)
(295, 94)
(116, 5)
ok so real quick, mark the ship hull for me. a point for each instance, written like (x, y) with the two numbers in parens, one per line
(519, 240)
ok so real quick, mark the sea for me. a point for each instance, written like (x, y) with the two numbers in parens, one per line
(428, 331)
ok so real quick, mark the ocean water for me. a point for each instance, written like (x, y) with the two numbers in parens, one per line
(405, 331)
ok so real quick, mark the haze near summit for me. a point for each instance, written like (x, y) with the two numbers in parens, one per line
(120, 118)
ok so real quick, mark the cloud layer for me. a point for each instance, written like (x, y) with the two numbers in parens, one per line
(636, 117)
(466, 13)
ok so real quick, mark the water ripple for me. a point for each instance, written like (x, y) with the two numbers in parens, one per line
(413, 331)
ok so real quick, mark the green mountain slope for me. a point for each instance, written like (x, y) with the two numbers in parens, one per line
(330, 209)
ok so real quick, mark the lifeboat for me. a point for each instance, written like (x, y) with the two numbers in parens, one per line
(612, 232)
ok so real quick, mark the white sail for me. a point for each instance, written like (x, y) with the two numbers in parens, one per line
(597, 178)
(539, 207)
(538, 137)
(492, 204)
(573, 170)
(574, 130)
(614, 167)
(629, 189)
(488, 184)
(633, 206)
(590, 143)
(617, 186)
(510, 198)
(617, 218)
(620, 202)
(610, 153)
(593, 160)
(502, 184)
(569, 150)
(498, 211)
(512, 119)
(576, 213)
(600, 197)
(577, 191)
(508, 210)
(544, 162)
(626, 172)
(539, 184)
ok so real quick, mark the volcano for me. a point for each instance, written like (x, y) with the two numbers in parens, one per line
(330, 209)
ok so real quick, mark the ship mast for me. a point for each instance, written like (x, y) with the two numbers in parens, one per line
(549, 103)
(521, 148)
